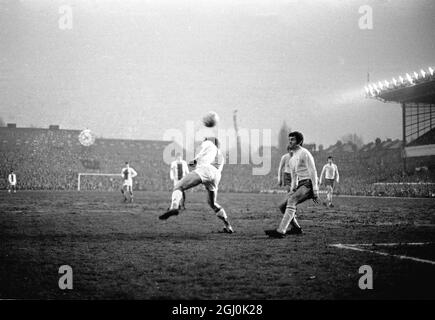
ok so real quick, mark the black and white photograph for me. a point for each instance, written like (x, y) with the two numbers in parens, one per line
(240, 151)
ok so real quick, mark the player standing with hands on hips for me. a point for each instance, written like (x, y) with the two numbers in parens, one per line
(330, 171)
(303, 172)
(128, 174)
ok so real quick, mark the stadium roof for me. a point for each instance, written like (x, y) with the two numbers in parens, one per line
(415, 88)
(419, 93)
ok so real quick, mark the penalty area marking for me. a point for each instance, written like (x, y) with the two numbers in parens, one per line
(403, 257)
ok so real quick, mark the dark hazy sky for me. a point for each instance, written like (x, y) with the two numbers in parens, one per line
(132, 69)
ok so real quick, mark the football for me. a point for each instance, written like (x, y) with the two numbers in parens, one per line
(87, 137)
(210, 119)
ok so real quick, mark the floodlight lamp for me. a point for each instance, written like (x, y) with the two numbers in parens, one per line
(423, 74)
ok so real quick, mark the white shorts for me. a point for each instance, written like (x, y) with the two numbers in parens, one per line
(210, 177)
(128, 183)
(176, 181)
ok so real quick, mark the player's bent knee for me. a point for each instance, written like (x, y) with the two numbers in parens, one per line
(178, 187)
(291, 202)
(221, 214)
(214, 205)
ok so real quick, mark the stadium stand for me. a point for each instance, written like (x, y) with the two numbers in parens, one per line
(50, 159)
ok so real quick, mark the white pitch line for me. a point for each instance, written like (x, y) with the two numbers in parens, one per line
(342, 246)
(392, 244)
(381, 197)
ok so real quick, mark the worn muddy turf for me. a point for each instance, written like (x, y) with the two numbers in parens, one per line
(123, 251)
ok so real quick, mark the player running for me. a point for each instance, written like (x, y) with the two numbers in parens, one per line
(303, 170)
(284, 176)
(330, 171)
(179, 169)
(128, 174)
(209, 164)
(12, 182)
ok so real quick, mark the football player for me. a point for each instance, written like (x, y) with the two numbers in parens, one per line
(330, 172)
(285, 179)
(12, 182)
(128, 174)
(303, 187)
(284, 176)
(179, 169)
(209, 164)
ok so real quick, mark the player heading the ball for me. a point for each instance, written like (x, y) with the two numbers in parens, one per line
(209, 164)
(211, 119)
(127, 173)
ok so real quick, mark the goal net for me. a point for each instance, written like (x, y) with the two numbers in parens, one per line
(99, 181)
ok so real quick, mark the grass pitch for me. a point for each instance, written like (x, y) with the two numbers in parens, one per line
(123, 251)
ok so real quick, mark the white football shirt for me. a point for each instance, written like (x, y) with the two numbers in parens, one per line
(285, 163)
(12, 178)
(210, 155)
(178, 170)
(128, 174)
(330, 172)
(302, 167)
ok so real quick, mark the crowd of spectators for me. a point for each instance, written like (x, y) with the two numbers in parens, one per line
(51, 160)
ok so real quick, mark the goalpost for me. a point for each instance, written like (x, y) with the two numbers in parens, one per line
(95, 174)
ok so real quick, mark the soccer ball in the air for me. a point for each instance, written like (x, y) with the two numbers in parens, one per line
(87, 138)
(210, 119)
